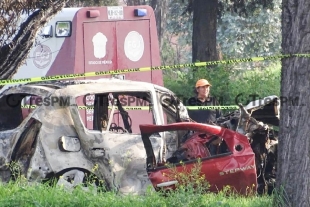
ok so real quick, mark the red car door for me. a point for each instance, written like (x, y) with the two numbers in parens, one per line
(234, 167)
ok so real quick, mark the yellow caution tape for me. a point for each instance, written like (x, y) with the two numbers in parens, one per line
(143, 69)
(138, 108)
(28, 106)
(211, 107)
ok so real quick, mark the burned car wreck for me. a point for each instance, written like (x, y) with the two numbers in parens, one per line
(240, 150)
(66, 129)
(124, 132)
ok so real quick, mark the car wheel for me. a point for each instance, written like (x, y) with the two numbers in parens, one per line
(73, 178)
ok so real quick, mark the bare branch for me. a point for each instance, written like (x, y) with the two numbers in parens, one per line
(17, 35)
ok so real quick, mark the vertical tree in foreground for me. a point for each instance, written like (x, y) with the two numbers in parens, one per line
(204, 30)
(294, 138)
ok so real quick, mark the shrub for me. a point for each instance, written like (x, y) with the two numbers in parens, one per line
(227, 82)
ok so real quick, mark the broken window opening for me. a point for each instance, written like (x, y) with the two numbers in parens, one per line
(14, 108)
(200, 145)
(119, 112)
(172, 107)
(26, 145)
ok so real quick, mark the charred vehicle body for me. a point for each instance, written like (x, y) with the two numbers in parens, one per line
(127, 147)
(54, 139)
(240, 150)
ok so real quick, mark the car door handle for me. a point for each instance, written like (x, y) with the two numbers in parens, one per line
(165, 184)
(97, 152)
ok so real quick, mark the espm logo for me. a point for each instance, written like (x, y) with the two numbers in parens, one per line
(167, 99)
(257, 100)
(15, 100)
(124, 101)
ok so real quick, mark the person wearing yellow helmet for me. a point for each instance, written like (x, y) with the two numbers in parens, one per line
(203, 98)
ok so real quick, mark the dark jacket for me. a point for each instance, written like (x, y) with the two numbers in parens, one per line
(204, 116)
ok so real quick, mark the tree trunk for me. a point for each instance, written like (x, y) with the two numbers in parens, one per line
(13, 54)
(204, 30)
(160, 10)
(133, 2)
(294, 141)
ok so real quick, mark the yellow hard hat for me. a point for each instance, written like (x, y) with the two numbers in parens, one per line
(202, 82)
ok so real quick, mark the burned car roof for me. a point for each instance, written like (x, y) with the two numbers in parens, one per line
(111, 84)
(34, 89)
(75, 88)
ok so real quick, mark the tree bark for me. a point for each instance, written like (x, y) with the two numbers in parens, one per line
(133, 2)
(13, 54)
(204, 30)
(160, 10)
(294, 141)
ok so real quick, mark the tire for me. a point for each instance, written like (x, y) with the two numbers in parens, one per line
(77, 178)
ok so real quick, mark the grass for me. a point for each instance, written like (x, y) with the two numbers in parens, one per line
(19, 192)
(23, 194)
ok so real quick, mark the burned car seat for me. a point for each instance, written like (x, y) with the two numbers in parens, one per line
(193, 148)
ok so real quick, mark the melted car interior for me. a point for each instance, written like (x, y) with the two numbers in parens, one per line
(110, 112)
(198, 145)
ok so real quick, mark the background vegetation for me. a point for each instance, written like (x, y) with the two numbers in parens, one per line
(227, 82)
(237, 37)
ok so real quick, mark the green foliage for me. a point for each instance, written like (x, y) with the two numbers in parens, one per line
(281, 197)
(177, 38)
(238, 37)
(227, 82)
(256, 35)
(190, 179)
(263, 82)
(244, 8)
(167, 53)
(16, 171)
(184, 83)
